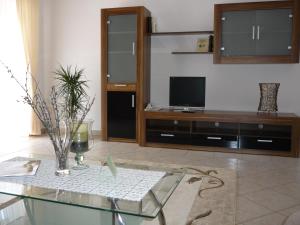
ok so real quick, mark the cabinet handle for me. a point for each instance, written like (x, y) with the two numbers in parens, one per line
(253, 32)
(213, 138)
(264, 141)
(132, 101)
(120, 85)
(258, 32)
(167, 135)
(133, 48)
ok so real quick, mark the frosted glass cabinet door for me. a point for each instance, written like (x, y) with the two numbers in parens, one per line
(274, 32)
(122, 32)
(238, 33)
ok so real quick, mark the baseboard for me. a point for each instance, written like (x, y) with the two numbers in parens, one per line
(96, 133)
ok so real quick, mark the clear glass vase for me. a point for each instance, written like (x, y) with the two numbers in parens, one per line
(61, 141)
(82, 142)
(62, 164)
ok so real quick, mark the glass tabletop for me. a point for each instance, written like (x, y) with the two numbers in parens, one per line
(149, 206)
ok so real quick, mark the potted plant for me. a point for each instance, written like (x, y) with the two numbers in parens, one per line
(72, 87)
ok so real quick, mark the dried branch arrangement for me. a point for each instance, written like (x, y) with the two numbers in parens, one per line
(55, 115)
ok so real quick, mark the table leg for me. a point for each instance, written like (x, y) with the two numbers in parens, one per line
(116, 217)
(28, 211)
(161, 215)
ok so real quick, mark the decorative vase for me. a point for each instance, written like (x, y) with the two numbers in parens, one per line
(62, 164)
(82, 142)
(61, 144)
(268, 97)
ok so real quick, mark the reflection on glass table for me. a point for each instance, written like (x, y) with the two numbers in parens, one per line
(38, 205)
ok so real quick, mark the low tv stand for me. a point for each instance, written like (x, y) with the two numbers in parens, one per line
(225, 131)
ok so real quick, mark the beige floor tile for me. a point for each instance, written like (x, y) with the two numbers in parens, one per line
(247, 210)
(272, 219)
(271, 199)
(195, 155)
(215, 162)
(290, 211)
(248, 185)
(289, 189)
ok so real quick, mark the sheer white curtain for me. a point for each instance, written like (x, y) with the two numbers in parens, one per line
(14, 116)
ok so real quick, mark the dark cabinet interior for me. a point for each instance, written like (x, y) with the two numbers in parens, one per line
(169, 131)
(265, 136)
(121, 115)
(220, 134)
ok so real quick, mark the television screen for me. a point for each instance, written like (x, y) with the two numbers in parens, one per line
(187, 91)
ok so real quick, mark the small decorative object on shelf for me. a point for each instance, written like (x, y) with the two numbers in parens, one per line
(268, 97)
(55, 114)
(205, 44)
(82, 142)
(153, 24)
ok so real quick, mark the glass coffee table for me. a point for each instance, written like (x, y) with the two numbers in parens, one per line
(38, 205)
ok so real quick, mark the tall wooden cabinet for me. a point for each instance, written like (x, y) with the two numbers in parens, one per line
(125, 71)
(257, 32)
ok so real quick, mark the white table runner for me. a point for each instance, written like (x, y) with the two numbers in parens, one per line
(130, 184)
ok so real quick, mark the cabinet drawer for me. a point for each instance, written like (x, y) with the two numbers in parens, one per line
(168, 137)
(215, 127)
(277, 144)
(266, 130)
(215, 140)
(169, 125)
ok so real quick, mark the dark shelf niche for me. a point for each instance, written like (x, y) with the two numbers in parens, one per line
(181, 33)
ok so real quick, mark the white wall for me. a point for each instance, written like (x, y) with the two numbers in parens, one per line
(71, 35)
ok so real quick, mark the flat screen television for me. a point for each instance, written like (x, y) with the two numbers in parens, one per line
(187, 92)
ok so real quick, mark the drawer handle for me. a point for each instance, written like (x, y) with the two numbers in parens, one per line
(120, 85)
(213, 138)
(264, 141)
(132, 101)
(167, 135)
(133, 48)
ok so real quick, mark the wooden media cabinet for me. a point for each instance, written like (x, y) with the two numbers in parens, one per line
(225, 131)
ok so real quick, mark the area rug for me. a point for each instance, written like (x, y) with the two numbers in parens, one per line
(205, 196)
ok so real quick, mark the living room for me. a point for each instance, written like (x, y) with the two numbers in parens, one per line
(233, 159)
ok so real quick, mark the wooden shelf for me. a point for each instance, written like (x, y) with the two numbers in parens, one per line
(181, 33)
(178, 53)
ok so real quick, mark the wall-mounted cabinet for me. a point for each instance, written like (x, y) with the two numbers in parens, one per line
(260, 32)
(125, 59)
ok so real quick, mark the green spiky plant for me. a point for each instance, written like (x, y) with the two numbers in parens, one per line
(71, 86)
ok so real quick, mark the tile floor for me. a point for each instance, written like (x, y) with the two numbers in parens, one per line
(268, 186)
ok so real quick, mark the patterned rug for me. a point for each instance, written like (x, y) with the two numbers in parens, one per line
(205, 196)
